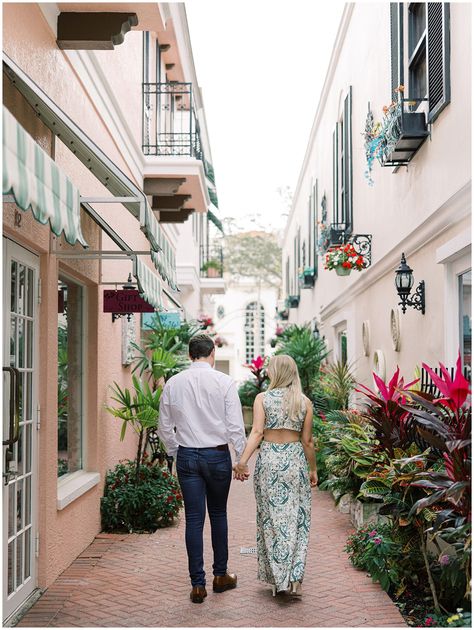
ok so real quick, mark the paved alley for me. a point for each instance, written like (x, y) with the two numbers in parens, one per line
(141, 580)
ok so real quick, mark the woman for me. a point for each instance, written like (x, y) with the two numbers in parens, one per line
(283, 417)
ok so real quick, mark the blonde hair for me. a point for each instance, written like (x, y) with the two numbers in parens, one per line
(283, 373)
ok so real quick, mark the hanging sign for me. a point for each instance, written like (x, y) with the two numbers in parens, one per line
(125, 301)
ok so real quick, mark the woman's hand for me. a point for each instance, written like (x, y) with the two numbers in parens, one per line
(313, 478)
(241, 471)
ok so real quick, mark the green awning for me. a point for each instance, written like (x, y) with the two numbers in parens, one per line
(213, 219)
(36, 182)
(213, 197)
(149, 284)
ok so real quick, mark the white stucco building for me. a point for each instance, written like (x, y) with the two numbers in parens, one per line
(245, 318)
(419, 203)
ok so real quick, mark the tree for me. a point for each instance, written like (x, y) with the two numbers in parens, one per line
(253, 255)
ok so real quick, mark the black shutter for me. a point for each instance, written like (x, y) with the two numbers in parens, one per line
(438, 48)
(347, 218)
(396, 46)
(315, 228)
(310, 229)
(335, 181)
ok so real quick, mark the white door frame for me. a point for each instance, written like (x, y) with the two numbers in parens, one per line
(13, 251)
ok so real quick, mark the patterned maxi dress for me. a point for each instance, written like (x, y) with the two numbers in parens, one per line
(283, 495)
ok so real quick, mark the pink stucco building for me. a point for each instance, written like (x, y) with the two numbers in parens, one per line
(107, 174)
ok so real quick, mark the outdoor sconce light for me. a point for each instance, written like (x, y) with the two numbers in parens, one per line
(404, 284)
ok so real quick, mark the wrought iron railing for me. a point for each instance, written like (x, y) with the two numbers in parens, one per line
(429, 387)
(212, 261)
(169, 123)
(362, 243)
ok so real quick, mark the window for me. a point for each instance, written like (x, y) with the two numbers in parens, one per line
(313, 229)
(428, 57)
(465, 316)
(287, 276)
(417, 76)
(254, 331)
(342, 342)
(70, 376)
(342, 169)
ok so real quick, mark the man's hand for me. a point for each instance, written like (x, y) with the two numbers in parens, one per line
(241, 472)
(313, 478)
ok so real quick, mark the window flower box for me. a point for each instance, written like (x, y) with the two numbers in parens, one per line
(293, 301)
(396, 139)
(307, 278)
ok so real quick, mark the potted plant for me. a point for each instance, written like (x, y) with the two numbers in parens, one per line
(306, 277)
(343, 259)
(213, 268)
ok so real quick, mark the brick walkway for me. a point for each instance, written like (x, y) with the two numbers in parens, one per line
(141, 580)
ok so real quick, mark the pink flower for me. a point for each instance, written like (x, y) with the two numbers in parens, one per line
(377, 541)
(429, 621)
(373, 533)
(258, 363)
(444, 560)
(455, 391)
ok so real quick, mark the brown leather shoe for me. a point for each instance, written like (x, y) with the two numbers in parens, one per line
(223, 583)
(198, 594)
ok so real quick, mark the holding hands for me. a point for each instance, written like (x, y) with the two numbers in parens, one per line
(241, 471)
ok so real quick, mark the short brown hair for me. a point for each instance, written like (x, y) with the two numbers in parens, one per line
(200, 346)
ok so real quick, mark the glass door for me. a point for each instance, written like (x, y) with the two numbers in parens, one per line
(20, 285)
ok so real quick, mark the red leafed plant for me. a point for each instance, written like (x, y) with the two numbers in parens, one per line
(385, 413)
(257, 367)
(445, 424)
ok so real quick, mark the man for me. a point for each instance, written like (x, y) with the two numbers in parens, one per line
(203, 406)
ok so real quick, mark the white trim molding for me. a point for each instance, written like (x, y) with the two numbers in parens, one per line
(73, 486)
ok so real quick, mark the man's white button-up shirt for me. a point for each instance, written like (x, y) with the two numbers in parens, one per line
(203, 406)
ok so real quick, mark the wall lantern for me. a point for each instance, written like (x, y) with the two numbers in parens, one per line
(404, 284)
(128, 286)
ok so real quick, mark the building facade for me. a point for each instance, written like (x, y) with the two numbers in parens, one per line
(244, 319)
(402, 186)
(107, 181)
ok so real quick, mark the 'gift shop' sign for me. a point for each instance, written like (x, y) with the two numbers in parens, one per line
(125, 301)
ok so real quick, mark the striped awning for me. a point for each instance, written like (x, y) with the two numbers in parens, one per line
(213, 219)
(162, 252)
(36, 182)
(149, 284)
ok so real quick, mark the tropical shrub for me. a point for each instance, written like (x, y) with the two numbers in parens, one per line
(381, 551)
(139, 505)
(386, 414)
(351, 456)
(307, 351)
(332, 387)
(256, 383)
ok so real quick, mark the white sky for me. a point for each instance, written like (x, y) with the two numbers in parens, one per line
(261, 66)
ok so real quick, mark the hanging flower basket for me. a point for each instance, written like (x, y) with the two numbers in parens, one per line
(343, 271)
(343, 259)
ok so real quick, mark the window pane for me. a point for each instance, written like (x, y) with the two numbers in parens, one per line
(11, 510)
(19, 505)
(19, 560)
(70, 344)
(465, 292)
(27, 553)
(418, 77)
(11, 566)
(21, 289)
(418, 23)
(13, 287)
(31, 290)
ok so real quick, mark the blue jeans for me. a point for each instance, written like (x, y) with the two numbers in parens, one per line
(205, 473)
